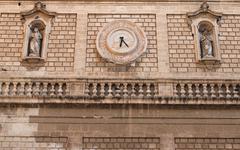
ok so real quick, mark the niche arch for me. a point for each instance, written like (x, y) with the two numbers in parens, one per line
(37, 26)
(205, 24)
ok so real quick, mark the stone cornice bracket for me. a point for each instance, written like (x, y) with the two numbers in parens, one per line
(204, 11)
(39, 7)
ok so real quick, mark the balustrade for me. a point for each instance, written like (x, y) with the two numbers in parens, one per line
(121, 89)
(207, 90)
(22, 88)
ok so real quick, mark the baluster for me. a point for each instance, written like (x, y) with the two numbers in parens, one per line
(6, 91)
(176, 92)
(125, 91)
(102, 90)
(44, 92)
(205, 92)
(140, 90)
(183, 92)
(52, 89)
(29, 90)
(87, 91)
(37, 90)
(235, 91)
(212, 91)
(190, 91)
(228, 92)
(14, 92)
(121, 88)
(221, 92)
(110, 92)
(117, 90)
(21, 90)
(60, 90)
(148, 90)
(94, 89)
(197, 91)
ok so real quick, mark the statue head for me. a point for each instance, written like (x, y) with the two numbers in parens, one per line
(35, 29)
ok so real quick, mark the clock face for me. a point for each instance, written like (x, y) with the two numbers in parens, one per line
(121, 42)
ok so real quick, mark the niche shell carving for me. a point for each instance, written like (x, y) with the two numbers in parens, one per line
(121, 42)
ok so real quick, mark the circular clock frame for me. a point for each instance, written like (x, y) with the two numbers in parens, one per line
(121, 42)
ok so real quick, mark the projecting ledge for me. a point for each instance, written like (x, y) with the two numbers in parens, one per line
(82, 100)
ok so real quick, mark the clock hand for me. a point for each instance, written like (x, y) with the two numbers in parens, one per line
(125, 43)
(122, 41)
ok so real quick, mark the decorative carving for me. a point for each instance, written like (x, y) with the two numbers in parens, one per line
(204, 23)
(121, 42)
(37, 26)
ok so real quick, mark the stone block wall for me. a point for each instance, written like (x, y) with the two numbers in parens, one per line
(11, 41)
(148, 62)
(182, 55)
(61, 44)
(116, 143)
(207, 143)
(32, 143)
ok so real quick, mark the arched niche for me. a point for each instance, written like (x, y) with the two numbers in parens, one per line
(37, 26)
(204, 24)
(206, 40)
(36, 38)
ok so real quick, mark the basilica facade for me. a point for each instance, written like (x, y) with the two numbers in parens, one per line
(120, 75)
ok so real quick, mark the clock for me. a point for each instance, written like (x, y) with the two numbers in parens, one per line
(121, 42)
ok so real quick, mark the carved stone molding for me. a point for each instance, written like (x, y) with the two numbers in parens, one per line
(205, 23)
(37, 26)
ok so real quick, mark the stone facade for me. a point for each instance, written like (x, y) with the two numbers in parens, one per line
(28, 143)
(181, 45)
(74, 99)
(61, 47)
(207, 143)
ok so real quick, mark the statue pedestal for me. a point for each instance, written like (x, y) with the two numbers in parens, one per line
(33, 60)
(33, 63)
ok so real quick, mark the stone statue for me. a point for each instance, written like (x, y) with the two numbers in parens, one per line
(35, 43)
(206, 44)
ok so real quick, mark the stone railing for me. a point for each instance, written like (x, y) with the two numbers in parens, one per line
(33, 88)
(167, 91)
(207, 90)
(121, 89)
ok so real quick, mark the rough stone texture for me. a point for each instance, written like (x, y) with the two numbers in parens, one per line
(32, 143)
(182, 55)
(207, 143)
(61, 46)
(127, 143)
(146, 63)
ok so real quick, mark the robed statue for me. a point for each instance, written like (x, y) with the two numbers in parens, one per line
(206, 44)
(35, 43)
